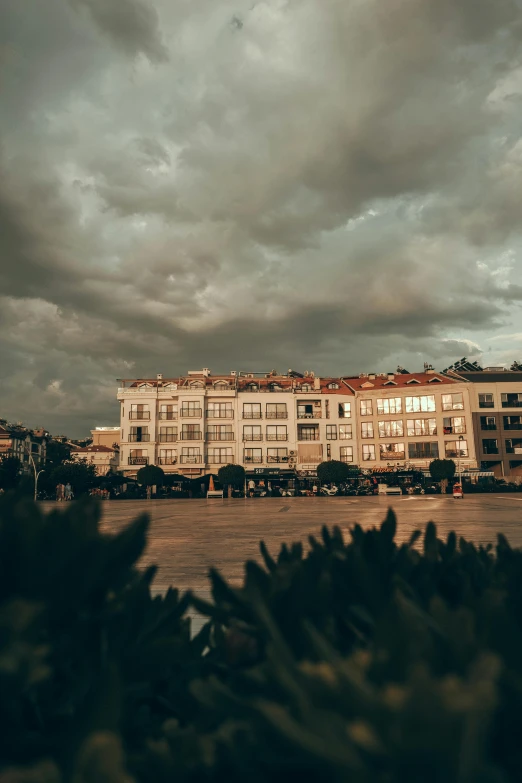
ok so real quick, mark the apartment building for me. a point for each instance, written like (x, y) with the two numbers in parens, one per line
(27, 445)
(279, 427)
(405, 420)
(103, 452)
(496, 404)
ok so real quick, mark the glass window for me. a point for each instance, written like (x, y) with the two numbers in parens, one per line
(252, 432)
(251, 410)
(453, 402)
(191, 454)
(455, 425)
(220, 410)
(345, 431)
(391, 429)
(389, 405)
(346, 453)
(425, 402)
(367, 429)
(220, 432)
(456, 448)
(253, 455)
(220, 455)
(167, 411)
(392, 451)
(277, 455)
(366, 407)
(191, 432)
(168, 434)
(306, 410)
(486, 400)
(276, 410)
(139, 411)
(427, 450)
(137, 435)
(490, 446)
(333, 386)
(368, 452)
(191, 409)
(305, 432)
(345, 410)
(490, 423)
(416, 427)
(331, 432)
(167, 457)
(511, 400)
(276, 432)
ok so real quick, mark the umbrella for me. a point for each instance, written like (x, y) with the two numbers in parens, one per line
(211, 484)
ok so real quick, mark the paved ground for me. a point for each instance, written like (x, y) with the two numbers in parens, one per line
(189, 536)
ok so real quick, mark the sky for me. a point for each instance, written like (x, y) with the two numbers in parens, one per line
(327, 185)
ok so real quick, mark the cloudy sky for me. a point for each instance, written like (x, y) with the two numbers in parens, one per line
(318, 184)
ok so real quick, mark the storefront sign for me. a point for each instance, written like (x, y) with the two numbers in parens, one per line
(307, 473)
(267, 471)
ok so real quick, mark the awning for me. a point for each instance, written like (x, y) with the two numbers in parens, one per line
(467, 473)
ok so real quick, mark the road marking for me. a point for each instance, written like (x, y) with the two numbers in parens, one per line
(500, 497)
(284, 508)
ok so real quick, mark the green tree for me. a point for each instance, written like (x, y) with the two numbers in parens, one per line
(232, 476)
(9, 473)
(151, 476)
(442, 470)
(80, 474)
(333, 472)
(56, 454)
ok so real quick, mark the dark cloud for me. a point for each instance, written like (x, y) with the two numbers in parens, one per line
(326, 186)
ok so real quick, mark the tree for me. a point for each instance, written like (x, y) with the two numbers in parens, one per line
(56, 454)
(9, 473)
(442, 470)
(151, 476)
(232, 475)
(333, 472)
(80, 474)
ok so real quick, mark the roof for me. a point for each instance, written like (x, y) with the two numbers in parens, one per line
(243, 382)
(91, 449)
(506, 376)
(400, 381)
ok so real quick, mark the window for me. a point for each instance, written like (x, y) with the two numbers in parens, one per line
(138, 457)
(366, 407)
(308, 410)
(170, 386)
(331, 432)
(333, 386)
(513, 445)
(490, 423)
(253, 455)
(490, 446)
(139, 435)
(456, 448)
(416, 427)
(453, 402)
(275, 387)
(252, 432)
(220, 455)
(277, 455)
(252, 410)
(168, 412)
(455, 425)
(486, 401)
(139, 411)
(220, 410)
(220, 432)
(345, 431)
(168, 434)
(305, 432)
(367, 429)
(511, 400)
(191, 455)
(510, 422)
(167, 457)
(392, 451)
(191, 432)
(197, 385)
(345, 410)
(368, 452)
(425, 402)
(276, 432)
(251, 387)
(391, 429)
(276, 410)
(306, 387)
(191, 409)
(346, 453)
(389, 405)
(221, 385)
(427, 450)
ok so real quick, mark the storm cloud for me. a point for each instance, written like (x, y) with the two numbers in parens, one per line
(328, 185)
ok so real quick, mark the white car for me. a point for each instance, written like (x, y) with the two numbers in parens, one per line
(385, 490)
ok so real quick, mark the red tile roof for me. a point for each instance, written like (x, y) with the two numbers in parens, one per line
(409, 380)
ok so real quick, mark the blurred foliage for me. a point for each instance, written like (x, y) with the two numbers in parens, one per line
(356, 660)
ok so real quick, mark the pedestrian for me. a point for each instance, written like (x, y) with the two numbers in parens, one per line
(149, 493)
(59, 492)
(314, 490)
(251, 487)
(68, 492)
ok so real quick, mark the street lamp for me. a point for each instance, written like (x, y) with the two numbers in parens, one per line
(37, 473)
(461, 438)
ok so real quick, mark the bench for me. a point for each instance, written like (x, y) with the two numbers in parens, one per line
(215, 493)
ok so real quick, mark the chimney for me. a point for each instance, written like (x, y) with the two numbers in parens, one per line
(206, 372)
(317, 384)
(391, 376)
(159, 376)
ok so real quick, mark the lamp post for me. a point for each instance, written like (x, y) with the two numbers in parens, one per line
(37, 473)
(461, 438)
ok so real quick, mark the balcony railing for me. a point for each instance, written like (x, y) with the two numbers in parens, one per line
(167, 460)
(139, 415)
(513, 426)
(252, 415)
(138, 460)
(277, 459)
(301, 436)
(195, 435)
(227, 459)
(514, 449)
(168, 415)
(490, 450)
(139, 438)
(314, 415)
(256, 460)
(277, 437)
(220, 436)
(167, 438)
(192, 459)
(492, 427)
(252, 437)
(395, 456)
(191, 413)
(512, 403)
(487, 404)
(276, 415)
(457, 454)
(454, 430)
(421, 433)
(226, 414)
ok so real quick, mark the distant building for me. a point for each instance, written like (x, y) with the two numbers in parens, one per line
(103, 452)
(23, 443)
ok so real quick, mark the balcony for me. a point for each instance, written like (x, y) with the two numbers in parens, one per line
(452, 454)
(421, 433)
(167, 460)
(395, 456)
(308, 436)
(277, 437)
(454, 430)
(512, 403)
(487, 404)
(270, 459)
(252, 437)
(139, 416)
(192, 459)
(490, 449)
(314, 415)
(168, 415)
(191, 413)
(195, 435)
(138, 460)
(227, 414)
(167, 438)
(255, 460)
(213, 436)
(276, 415)
(139, 438)
(227, 459)
(252, 415)
(485, 427)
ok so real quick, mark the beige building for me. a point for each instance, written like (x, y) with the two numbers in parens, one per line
(103, 452)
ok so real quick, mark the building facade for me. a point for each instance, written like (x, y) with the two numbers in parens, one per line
(103, 452)
(29, 446)
(280, 427)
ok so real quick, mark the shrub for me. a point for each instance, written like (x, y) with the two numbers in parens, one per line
(333, 472)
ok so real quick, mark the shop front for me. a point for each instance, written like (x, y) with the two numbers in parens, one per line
(270, 481)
